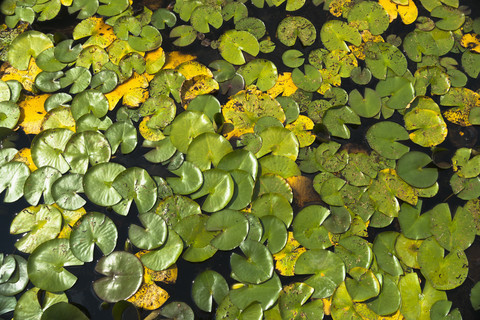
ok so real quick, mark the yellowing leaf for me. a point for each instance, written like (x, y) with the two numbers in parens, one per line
(119, 49)
(32, 112)
(303, 191)
(197, 86)
(101, 34)
(245, 108)
(25, 77)
(407, 13)
(175, 58)
(66, 2)
(150, 296)
(327, 305)
(60, 117)
(285, 260)
(339, 7)
(471, 41)
(69, 220)
(301, 128)
(401, 189)
(284, 86)
(190, 69)
(25, 155)
(134, 92)
(330, 79)
(148, 133)
(367, 314)
(155, 60)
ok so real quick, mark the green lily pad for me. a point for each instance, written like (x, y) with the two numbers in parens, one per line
(291, 28)
(189, 179)
(308, 228)
(363, 285)
(46, 266)
(208, 149)
(65, 191)
(9, 114)
(89, 101)
(257, 265)
(309, 81)
(275, 233)
(233, 42)
(135, 184)
(40, 183)
(261, 72)
(187, 126)
(265, 293)
(12, 178)
(123, 276)
(49, 81)
(38, 224)
(369, 16)
(194, 234)
(441, 310)
(355, 252)
(204, 16)
(475, 296)
(77, 78)
(293, 58)
(148, 39)
(104, 81)
(152, 236)
(28, 44)
(233, 226)
(336, 118)
(445, 273)
(86, 8)
(186, 35)
(399, 90)
(163, 17)
(452, 234)
(97, 184)
(389, 299)
(207, 104)
(93, 228)
(31, 305)
(177, 310)
(382, 56)
(383, 137)
(208, 286)
(336, 33)
(384, 250)
(367, 106)
(413, 224)
(465, 189)
(293, 302)
(407, 250)
(84, 148)
(47, 62)
(63, 311)
(273, 204)
(218, 187)
(278, 141)
(327, 268)
(411, 169)
(166, 255)
(122, 134)
(450, 18)
(271, 183)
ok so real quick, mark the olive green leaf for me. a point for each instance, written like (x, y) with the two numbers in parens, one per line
(335, 34)
(233, 226)
(265, 293)
(291, 28)
(65, 191)
(411, 168)
(384, 250)
(218, 187)
(293, 302)
(152, 236)
(233, 42)
(208, 286)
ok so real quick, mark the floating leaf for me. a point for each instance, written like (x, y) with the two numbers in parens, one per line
(295, 26)
(452, 234)
(12, 178)
(411, 169)
(233, 226)
(293, 302)
(208, 286)
(233, 42)
(28, 44)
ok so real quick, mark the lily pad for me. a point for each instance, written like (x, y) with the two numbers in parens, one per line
(293, 302)
(411, 169)
(166, 255)
(308, 229)
(93, 228)
(233, 226)
(265, 293)
(452, 234)
(208, 149)
(28, 44)
(66, 189)
(233, 42)
(208, 286)
(13, 176)
(97, 184)
(152, 236)
(84, 148)
(291, 28)
(218, 187)
(383, 137)
(123, 276)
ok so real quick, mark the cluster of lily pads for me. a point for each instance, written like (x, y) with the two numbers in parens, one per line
(258, 161)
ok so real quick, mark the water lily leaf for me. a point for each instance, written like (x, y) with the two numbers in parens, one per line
(329, 159)
(335, 120)
(221, 69)
(434, 42)
(29, 306)
(293, 302)
(163, 17)
(413, 224)
(474, 297)
(361, 76)
(452, 234)
(194, 234)
(218, 187)
(309, 81)
(176, 207)
(292, 5)
(262, 72)
(208, 149)
(415, 304)
(342, 305)
(465, 189)
(450, 18)
(123, 276)
(204, 16)
(432, 4)
(12, 178)
(233, 42)
(369, 16)
(196, 122)
(163, 150)
(265, 293)
(278, 141)
(46, 266)
(470, 63)
(38, 224)
(63, 311)
(407, 250)
(136, 184)
(389, 299)
(383, 137)
(99, 33)
(367, 106)
(273, 204)
(474, 207)
(177, 310)
(92, 56)
(445, 273)
(308, 229)
(384, 250)
(256, 267)
(65, 53)
(190, 178)
(275, 233)
(48, 81)
(362, 285)
(97, 184)
(186, 35)
(441, 310)
(86, 8)
(338, 221)
(148, 39)
(434, 76)
(152, 235)
(336, 33)
(89, 101)
(65, 191)
(28, 44)
(166, 255)
(382, 56)
(93, 228)
(208, 286)
(233, 226)
(355, 252)
(327, 268)
(207, 104)
(122, 134)
(291, 28)
(411, 169)
(84, 148)
(271, 183)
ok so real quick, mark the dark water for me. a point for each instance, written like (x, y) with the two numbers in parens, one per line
(82, 293)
